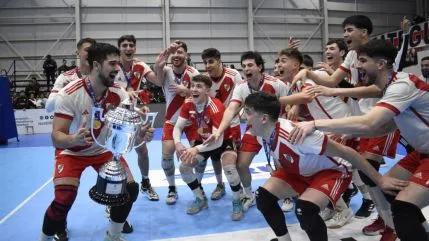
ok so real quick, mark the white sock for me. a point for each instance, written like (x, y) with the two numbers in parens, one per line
(248, 190)
(171, 181)
(285, 237)
(198, 193)
(115, 228)
(44, 237)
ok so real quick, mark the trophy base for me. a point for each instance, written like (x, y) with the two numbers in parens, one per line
(107, 199)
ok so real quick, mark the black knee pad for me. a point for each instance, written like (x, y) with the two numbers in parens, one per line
(365, 179)
(407, 220)
(264, 199)
(389, 197)
(133, 190)
(306, 212)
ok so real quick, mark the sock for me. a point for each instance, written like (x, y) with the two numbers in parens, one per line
(115, 228)
(248, 190)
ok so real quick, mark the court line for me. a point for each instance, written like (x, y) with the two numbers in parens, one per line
(11, 213)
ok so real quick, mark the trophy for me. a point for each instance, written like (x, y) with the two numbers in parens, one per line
(123, 127)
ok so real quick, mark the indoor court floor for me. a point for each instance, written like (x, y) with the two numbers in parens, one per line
(26, 190)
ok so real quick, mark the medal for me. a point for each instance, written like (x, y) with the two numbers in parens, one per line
(201, 131)
(183, 94)
(97, 124)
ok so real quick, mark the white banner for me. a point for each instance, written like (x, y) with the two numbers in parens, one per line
(33, 120)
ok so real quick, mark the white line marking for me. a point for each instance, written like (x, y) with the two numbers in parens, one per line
(24, 202)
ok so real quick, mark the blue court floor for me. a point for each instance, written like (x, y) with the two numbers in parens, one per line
(26, 190)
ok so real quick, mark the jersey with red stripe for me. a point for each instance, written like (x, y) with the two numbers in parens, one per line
(408, 97)
(65, 78)
(61, 81)
(74, 102)
(224, 87)
(325, 107)
(205, 117)
(270, 85)
(350, 66)
(174, 101)
(138, 71)
(307, 158)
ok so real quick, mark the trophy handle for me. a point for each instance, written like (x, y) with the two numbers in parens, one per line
(96, 110)
(148, 116)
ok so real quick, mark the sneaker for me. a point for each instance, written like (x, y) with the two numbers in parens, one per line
(340, 218)
(172, 195)
(327, 213)
(197, 205)
(374, 228)
(127, 228)
(248, 201)
(287, 205)
(219, 192)
(388, 234)
(109, 237)
(62, 236)
(349, 193)
(237, 210)
(148, 191)
(366, 209)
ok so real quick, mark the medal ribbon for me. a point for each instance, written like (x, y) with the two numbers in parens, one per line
(96, 104)
(177, 79)
(200, 116)
(261, 82)
(127, 77)
(269, 146)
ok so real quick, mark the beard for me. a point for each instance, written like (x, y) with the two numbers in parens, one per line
(106, 81)
(425, 73)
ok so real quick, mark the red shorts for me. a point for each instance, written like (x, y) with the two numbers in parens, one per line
(191, 132)
(73, 166)
(330, 182)
(417, 165)
(381, 146)
(249, 143)
(235, 133)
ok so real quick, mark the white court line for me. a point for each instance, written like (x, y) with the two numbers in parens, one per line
(24, 202)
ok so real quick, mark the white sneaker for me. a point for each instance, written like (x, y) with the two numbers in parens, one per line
(248, 201)
(109, 237)
(327, 214)
(172, 196)
(340, 218)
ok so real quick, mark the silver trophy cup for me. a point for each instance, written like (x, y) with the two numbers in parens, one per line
(123, 127)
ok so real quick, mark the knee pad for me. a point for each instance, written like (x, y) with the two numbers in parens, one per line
(133, 190)
(64, 199)
(406, 217)
(265, 200)
(187, 173)
(168, 166)
(365, 179)
(306, 212)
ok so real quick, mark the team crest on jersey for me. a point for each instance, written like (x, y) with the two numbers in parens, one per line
(60, 168)
(227, 87)
(137, 75)
(288, 157)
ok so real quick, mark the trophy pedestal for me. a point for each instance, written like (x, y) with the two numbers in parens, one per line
(111, 185)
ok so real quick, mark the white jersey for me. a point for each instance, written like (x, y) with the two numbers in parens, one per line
(408, 97)
(305, 159)
(325, 107)
(174, 101)
(74, 102)
(350, 67)
(61, 81)
(135, 76)
(223, 88)
(270, 85)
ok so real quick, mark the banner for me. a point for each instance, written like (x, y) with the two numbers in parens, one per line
(37, 120)
(419, 36)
